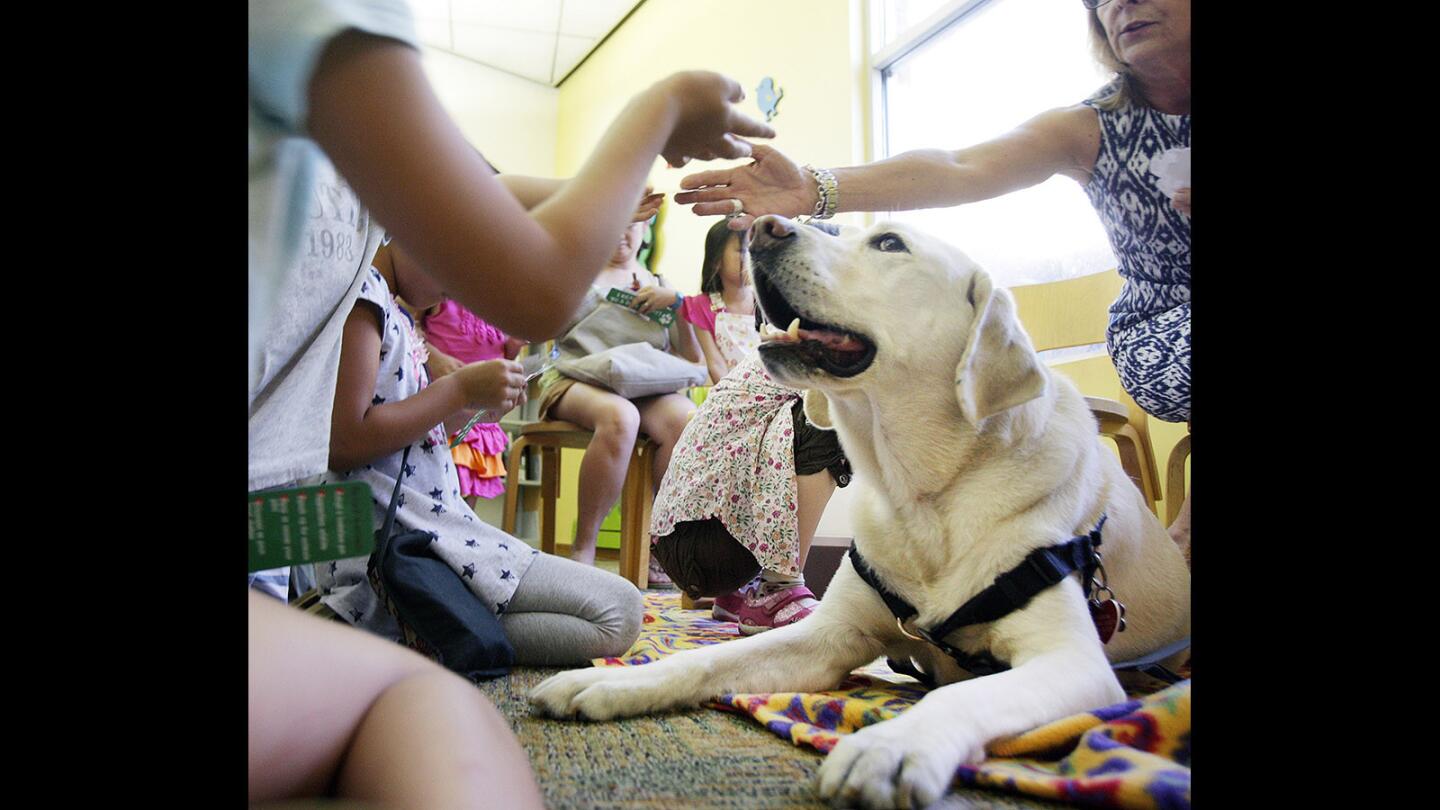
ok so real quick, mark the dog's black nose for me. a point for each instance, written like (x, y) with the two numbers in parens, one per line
(770, 229)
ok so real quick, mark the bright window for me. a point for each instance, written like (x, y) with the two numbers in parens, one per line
(960, 72)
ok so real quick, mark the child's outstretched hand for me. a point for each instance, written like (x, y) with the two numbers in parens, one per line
(652, 298)
(493, 385)
(708, 126)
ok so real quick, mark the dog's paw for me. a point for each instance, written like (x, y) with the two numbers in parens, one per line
(600, 693)
(895, 764)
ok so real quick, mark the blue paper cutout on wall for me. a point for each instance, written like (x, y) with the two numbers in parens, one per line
(768, 96)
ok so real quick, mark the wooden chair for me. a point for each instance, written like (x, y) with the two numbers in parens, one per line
(1175, 478)
(636, 498)
(1074, 312)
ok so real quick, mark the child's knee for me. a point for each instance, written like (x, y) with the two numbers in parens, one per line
(619, 624)
(631, 614)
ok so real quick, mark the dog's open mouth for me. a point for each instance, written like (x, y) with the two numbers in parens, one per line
(832, 349)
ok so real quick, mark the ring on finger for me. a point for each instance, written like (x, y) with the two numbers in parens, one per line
(736, 207)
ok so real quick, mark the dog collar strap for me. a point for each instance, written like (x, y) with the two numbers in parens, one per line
(1010, 592)
(903, 610)
(1014, 589)
(978, 664)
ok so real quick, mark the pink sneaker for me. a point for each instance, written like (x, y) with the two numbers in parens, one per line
(727, 607)
(762, 611)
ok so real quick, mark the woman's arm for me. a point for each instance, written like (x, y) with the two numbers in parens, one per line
(361, 431)
(1063, 141)
(374, 113)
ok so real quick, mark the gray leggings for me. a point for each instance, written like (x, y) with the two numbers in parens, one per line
(566, 613)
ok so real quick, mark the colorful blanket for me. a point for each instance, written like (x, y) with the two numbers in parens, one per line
(1134, 754)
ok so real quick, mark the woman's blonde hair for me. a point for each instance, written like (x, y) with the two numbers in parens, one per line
(1124, 91)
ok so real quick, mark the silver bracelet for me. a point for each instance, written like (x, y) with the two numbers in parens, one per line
(829, 192)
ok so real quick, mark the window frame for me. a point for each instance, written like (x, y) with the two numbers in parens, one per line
(884, 57)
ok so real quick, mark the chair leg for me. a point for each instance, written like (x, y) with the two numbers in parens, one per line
(1175, 479)
(644, 502)
(512, 486)
(549, 493)
(1132, 459)
(634, 525)
(1140, 421)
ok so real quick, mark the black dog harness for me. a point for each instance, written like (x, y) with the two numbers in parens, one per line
(1010, 592)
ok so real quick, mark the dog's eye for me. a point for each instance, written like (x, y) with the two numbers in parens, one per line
(889, 243)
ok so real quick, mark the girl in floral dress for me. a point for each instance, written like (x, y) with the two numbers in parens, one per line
(750, 477)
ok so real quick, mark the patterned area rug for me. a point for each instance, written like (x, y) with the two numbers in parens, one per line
(1132, 755)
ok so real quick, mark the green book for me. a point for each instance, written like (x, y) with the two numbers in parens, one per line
(663, 316)
(310, 524)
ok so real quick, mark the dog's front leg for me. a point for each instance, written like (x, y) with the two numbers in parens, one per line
(810, 655)
(1058, 669)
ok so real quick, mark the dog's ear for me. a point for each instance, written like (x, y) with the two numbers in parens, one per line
(999, 369)
(817, 410)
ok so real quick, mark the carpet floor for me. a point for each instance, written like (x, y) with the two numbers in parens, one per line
(695, 759)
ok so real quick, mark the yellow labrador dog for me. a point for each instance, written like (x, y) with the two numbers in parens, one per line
(970, 455)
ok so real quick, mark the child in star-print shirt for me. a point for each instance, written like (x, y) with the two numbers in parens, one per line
(554, 611)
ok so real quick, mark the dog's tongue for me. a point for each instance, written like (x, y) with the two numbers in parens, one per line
(834, 341)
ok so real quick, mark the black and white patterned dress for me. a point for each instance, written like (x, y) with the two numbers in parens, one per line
(489, 561)
(1149, 332)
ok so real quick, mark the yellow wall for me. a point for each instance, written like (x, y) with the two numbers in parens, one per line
(814, 51)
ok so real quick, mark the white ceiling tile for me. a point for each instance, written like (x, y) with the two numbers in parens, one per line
(521, 15)
(430, 9)
(435, 33)
(593, 18)
(519, 36)
(568, 53)
(520, 52)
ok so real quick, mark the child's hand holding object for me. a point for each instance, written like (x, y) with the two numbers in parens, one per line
(495, 386)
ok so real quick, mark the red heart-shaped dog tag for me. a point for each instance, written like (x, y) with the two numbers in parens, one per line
(1106, 616)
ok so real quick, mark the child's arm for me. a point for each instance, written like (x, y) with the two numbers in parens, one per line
(682, 338)
(531, 191)
(682, 334)
(362, 431)
(713, 361)
(374, 113)
(440, 364)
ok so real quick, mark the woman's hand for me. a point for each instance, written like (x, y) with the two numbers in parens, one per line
(707, 124)
(495, 386)
(772, 184)
(652, 298)
(440, 363)
(1181, 201)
